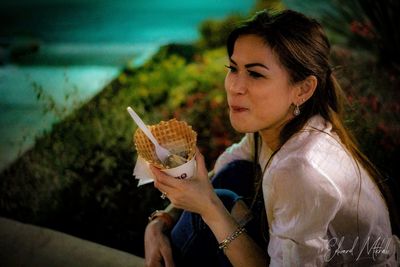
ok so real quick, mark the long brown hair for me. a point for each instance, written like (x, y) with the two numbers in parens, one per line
(303, 49)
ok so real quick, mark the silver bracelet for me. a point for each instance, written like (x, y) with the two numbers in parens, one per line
(224, 244)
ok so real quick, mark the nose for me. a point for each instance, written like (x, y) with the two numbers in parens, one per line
(235, 84)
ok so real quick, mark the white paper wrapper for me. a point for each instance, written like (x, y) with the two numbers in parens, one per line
(143, 173)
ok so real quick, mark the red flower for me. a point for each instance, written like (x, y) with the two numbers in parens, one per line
(362, 29)
(214, 104)
(374, 103)
(350, 99)
(395, 107)
(177, 114)
(363, 100)
(382, 127)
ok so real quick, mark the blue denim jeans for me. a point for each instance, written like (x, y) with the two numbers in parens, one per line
(193, 242)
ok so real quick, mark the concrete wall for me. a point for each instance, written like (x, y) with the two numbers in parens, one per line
(28, 245)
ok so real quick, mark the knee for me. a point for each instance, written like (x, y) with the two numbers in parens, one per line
(228, 198)
(235, 205)
(241, 212)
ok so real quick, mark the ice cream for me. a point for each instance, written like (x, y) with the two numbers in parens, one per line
(176, 136)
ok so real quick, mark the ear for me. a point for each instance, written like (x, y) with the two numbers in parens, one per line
(305, 90)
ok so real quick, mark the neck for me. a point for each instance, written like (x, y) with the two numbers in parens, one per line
(271, 138)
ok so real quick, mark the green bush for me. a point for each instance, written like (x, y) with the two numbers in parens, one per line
(78, 178)
(213, 33)
(369, 72)
(369, 25)
(374, 111)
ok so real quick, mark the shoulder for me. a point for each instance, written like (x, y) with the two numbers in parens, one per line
(315, 146)
(241, 150)
(299, 188)
(247, 141)
(313, 159)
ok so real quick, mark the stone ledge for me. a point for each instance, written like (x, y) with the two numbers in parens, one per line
(28, 245)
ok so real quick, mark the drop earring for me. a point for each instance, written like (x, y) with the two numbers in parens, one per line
(296, 111)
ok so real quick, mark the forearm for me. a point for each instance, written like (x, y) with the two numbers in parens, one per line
(242, 251)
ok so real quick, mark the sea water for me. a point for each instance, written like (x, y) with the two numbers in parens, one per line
(83, 45)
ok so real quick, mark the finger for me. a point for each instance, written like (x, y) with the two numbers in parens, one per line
(158, 180)
(201, 165)
(160, 176)
(165, 179)
(163, 182)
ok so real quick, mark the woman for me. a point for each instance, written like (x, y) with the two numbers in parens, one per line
(320, 204)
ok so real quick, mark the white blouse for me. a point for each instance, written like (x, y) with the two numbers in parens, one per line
(322, 207)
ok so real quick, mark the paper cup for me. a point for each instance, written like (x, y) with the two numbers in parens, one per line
(186, 170)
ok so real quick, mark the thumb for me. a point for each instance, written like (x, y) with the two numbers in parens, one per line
(201, 165)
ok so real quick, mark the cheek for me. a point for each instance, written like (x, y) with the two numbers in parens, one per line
(227, 82)
(272, 101)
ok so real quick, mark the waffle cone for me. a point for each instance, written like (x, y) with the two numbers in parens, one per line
(176, 136)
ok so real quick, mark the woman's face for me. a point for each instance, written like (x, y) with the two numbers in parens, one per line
(258, 88)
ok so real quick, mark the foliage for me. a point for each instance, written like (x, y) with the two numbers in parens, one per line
(384, 16)
(369, 25)
(374, 111)
(200, 100)
(187, 51)
(78, 178)
(213, 33)
(275, 5)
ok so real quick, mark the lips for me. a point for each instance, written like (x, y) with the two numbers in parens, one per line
(238, 109)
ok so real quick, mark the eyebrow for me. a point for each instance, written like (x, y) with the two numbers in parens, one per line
(251, 64)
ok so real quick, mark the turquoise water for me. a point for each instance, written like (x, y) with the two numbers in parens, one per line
(82, 47)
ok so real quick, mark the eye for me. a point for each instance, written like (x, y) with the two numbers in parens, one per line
(231, 68)
(255, 74)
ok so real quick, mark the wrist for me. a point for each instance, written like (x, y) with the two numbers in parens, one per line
(214, 211)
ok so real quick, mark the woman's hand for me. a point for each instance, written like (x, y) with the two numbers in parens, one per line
(157, 246)
(193, 194)
(197, 195)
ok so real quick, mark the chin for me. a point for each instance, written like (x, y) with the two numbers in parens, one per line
(242, 127)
